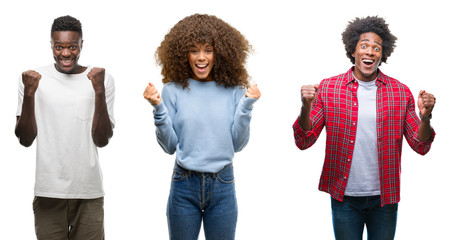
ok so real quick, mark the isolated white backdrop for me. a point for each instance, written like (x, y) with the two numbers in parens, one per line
(295, 42)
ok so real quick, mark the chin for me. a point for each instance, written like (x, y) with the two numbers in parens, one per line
(66, 70)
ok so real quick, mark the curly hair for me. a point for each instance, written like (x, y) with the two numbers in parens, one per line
(230, 51)
(377, 25)
(66, 23)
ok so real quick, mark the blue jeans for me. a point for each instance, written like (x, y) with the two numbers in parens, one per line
(350, 216)
(196, 197)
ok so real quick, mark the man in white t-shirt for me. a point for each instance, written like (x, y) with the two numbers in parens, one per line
(68, 108)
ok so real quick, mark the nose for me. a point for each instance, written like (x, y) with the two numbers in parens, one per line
(369, 51)
(66, 52)
(201, 57)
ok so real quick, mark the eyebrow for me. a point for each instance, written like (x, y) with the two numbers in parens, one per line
(73, 42)
(201, 44)
(367, 40)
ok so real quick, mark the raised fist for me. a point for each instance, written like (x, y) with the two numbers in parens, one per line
(308, 94)
(96, 76)
(152, 95)
(30, 79)
(426, 103)
(253, 92)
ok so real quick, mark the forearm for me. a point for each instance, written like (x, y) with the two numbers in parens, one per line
(101, 127)
(242, 120)
(425, 131)
(26, 129)
(306, 129)
(165, 134)
(240, 134)
(304, 119)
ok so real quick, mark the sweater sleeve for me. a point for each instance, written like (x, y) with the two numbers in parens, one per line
(163, 115)
(240, 127)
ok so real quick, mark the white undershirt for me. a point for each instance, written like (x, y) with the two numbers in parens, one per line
(363, 179)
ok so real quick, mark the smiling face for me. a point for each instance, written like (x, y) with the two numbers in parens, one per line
(367, 56)
(66, 47)
(201, 60)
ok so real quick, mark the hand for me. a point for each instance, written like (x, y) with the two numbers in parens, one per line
(426, 103)
(253, 92)
(152, 95)
(30, 79)
(309, 94)
(96, 76)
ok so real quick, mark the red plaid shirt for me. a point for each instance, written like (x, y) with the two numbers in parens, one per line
(336, 107)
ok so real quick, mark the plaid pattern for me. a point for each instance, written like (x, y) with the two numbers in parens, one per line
(336, 107)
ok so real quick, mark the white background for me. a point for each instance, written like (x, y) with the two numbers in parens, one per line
(295, 42)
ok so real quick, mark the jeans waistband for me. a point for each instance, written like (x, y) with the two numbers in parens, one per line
(192, 172)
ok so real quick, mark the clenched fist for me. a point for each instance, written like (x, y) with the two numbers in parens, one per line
(308, 94)
(152, 95)
(96, 76)
(253, 92)
(30, 79)
(426, 103)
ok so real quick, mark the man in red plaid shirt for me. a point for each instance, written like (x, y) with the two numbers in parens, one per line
(366, 114)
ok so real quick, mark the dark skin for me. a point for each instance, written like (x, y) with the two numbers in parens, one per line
(66, 47)
(26, 129)
(368, 47)
(101, 130)
(426, 103)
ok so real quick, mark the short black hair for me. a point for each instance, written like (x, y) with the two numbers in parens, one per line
(377, 25)
(66, 23)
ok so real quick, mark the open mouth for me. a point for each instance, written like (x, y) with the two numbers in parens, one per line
(201, 67)
(66, 62)
(368, 62)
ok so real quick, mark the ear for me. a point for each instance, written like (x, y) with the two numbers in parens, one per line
(81, 44)
(353, 54)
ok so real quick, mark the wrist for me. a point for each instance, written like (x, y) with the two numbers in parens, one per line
(100, 91)
(306, 108)
(29, 94)
(29, 91)
(425, 118)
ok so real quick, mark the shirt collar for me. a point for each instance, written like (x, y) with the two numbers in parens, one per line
(350, 78)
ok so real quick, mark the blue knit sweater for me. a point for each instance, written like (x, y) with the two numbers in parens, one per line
(205, 123)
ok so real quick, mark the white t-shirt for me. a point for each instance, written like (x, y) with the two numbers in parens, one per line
(363, 179)
(67, 163)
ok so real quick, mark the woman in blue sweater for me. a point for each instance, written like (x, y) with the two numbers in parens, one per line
(204, 117)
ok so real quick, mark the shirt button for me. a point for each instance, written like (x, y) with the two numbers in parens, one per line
(354, 104)
(345, 177)
(354, 124)
(351, 141)
(348, 160)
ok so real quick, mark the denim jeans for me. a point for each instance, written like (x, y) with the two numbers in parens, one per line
(350, 216)
(196, 197)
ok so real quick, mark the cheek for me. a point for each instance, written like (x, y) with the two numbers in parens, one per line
(193, 59)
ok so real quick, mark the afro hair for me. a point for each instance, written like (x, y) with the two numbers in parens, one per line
(377, 25)
(230, 51)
